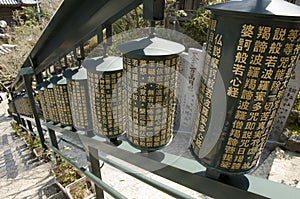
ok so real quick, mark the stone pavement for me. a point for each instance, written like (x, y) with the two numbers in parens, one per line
(21, 174)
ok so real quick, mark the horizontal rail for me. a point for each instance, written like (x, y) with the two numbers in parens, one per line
(196, 182)
(186, 172)
(28, 130)
(193, 181)
(87, 173)
(160, 186)
(72, 143)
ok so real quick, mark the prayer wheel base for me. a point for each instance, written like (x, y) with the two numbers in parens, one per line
(115, 141)
(213, 170)
(239, 181)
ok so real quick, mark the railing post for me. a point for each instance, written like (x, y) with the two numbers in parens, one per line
(17, 118)
(53, 138)
(27, 75)
(23, 122)
(94, 166)
(29, 125)
(39, 78)
(54, 143)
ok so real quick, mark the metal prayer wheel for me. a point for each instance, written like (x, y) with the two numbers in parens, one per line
(41, 88)
(251, 54)
(18, 104)
(62, 100)
(79, 98)
(105, 96)
(26, 107)
(51, 103)
(149, 85)
(22, 105)
(11, 107)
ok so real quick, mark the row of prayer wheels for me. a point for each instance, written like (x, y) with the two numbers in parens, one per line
(103, 97)
(21, 105)
(246, 69)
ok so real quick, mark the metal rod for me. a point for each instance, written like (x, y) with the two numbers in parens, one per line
(53, 138)
(90, 175)
(18, 118)
(32, 134)
(109, 35)
(66, 61)
(212, 174)
(82, 53)
(73, 144)
(152, 29)
(23, 122)
(29, 125)
(95, 168)
(100, 35)
(39, 78)
(27, 80)
(160, 186)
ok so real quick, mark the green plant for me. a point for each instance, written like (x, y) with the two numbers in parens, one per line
(197, 26)
(297, 103)
(133, 19)
(294, 129)
(17, 128)
(81, 189)
(24, 36)
(34, 143)
(65, 173)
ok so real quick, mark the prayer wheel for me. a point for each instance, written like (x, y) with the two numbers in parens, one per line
(62, 100)
(105, 96)
(79, 98)
(252, 49)
(149, 85)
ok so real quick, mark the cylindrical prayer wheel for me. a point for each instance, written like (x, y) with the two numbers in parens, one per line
(51, 103)
(26, 107)
(105, 96)
(62, 99)
(149, 85)
(252, 49)
(17, 101)
(79, 98)
(41, 88)
(11, 107)
(22, 105)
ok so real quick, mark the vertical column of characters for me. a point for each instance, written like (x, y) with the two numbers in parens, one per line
(210, 70)
(235, 147)
(93, 83)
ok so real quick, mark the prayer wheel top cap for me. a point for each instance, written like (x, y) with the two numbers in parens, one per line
(49, 86)
(148, 46)
(58, 80)
(42, 85)
(259, 7)
(76, 74)
(103, 64)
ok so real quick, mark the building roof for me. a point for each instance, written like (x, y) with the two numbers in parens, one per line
(17, 2)
(10, 2)
(6, 49)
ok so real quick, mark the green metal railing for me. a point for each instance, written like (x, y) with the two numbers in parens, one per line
(87, 173)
